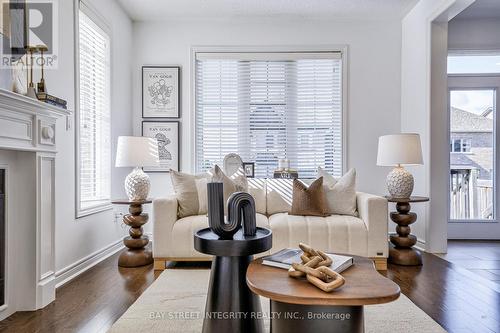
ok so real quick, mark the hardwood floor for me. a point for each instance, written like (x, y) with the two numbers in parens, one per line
(479, 257)
(90, 303)
(460, 300)
(456, 298)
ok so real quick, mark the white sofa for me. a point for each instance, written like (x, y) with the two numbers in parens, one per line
(364, 235)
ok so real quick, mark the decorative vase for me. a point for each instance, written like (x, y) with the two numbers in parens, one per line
(137, 185)
(400, 183)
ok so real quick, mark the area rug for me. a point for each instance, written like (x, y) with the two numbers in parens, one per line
(176, 300)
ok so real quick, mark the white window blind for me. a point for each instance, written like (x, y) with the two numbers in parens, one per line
(267, 106)
(94, 115)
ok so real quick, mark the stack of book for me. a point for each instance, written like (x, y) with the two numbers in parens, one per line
(287, 174)
(285, 258)
(49, 99)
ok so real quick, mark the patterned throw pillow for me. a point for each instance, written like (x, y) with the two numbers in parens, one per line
(340, 193)
(309, 201)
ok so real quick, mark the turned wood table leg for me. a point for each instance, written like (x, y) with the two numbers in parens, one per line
(136, 255)
(402, 251)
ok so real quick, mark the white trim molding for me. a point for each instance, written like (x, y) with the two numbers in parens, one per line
(70, 272)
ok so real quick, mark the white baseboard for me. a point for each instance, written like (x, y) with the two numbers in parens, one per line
(70, 272)
(420, 245)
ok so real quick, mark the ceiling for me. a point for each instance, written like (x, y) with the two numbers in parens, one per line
(157, 10)
(481, 9)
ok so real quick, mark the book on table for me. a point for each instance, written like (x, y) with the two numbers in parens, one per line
(285, 258)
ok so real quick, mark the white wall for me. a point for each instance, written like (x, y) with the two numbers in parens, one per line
(474, 34)
(423, 110)
(373, 76)
(77, 239)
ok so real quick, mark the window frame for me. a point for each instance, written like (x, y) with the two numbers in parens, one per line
(87, 9)
(342, 49)
(463, 143)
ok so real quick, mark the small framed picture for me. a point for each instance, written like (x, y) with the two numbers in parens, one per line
(160, 92)
(249, 168)
(167, 135)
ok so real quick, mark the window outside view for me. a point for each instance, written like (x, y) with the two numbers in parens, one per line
(471, 154)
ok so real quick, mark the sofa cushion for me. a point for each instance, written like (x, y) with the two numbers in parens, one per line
(191, 192)
(279, 195)
(309, 201)
(236, 183)
(340, 192)
(183, 230)
(335, 233)
(257, 189)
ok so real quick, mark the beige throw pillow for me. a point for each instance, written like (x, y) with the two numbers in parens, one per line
(257, 189)
(340, 193)
(191, 192)
(236, 183)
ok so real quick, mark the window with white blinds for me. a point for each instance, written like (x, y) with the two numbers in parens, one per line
(268, 106)
(93, 140)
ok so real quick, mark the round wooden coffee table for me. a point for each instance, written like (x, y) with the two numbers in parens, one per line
(298, 306)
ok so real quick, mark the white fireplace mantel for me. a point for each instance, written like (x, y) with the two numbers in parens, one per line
(26, 123)
(28, 129)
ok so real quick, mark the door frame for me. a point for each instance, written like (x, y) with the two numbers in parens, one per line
(469, 228)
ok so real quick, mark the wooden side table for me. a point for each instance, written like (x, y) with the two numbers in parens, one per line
(401, 252)
(136, 255)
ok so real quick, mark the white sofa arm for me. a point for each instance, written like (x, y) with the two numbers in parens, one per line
(372, 210)
(165, 215)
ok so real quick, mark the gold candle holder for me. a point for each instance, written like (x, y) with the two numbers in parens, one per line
(41, 85)
(31, 86)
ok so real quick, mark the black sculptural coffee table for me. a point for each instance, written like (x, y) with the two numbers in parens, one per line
(231, 306)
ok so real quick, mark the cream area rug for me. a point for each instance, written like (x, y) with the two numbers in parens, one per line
(175, 302)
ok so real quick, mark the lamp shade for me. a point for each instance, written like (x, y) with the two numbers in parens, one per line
(404, 148)
(133, 151)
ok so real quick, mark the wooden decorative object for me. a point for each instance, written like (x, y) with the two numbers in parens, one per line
(136, 255)
(315, 267)
(401, 251)
(241, 210)
(328, 281)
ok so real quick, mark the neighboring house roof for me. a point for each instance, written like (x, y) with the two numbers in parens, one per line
(465, 121)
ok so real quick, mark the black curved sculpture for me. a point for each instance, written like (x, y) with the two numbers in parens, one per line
(240, 208)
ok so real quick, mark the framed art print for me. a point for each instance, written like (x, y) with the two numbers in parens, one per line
(160, 92)
(167, 135)
(249, 169)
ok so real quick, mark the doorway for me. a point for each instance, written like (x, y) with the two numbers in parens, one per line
(473, 210)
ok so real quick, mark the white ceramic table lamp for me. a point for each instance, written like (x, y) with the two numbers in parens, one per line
(137, 152)
(398, 150)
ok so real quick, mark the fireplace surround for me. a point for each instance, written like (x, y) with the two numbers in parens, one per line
(28, 131)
